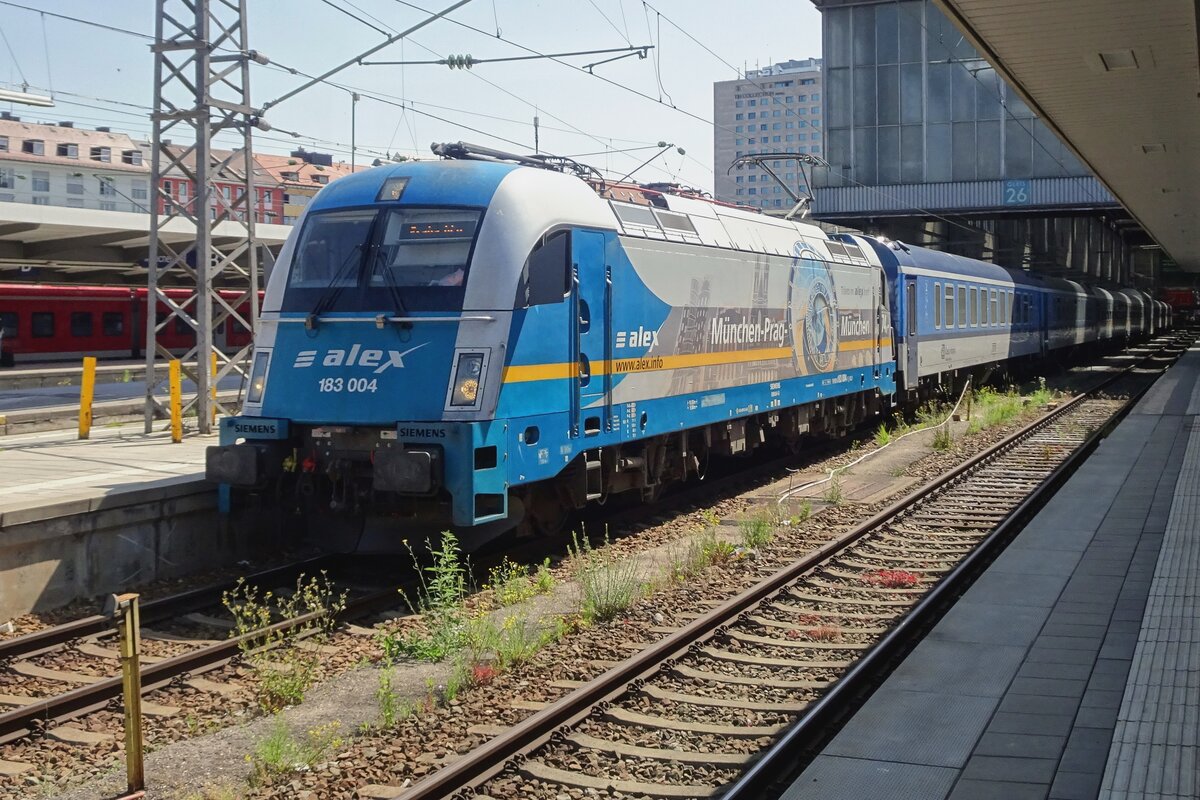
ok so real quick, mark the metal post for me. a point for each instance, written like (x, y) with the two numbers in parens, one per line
(129, 628)
(353, 114)
(87, 387)
(176, 402)
(202, 89)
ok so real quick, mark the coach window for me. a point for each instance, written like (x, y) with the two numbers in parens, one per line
(949, 300)
(42, 323)
(546, 276)
(995, 317)
(8, 324)
(937, 306)
(112, 323)
(962, 306)
(974, 306)
(81, 323)
(181, 326)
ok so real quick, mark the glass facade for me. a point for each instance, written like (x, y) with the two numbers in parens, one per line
(910, 101)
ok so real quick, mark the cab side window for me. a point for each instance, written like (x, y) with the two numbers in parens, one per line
(546, 276)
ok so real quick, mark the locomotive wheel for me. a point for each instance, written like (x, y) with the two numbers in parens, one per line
(545, 512)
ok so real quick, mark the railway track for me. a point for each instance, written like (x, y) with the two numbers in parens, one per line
(721, 706)
(187, 660)
(37, 666)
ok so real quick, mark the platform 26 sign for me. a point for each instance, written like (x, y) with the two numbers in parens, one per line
(1016, 193)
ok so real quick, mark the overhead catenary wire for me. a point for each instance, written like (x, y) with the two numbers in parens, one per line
(403, 103)
(16, 61)
(433, 17)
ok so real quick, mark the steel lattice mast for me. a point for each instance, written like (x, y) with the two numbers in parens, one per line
(201, 89)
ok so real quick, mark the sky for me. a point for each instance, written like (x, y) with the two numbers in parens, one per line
(103, 77)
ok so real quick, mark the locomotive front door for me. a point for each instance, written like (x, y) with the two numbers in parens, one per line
(592, 301)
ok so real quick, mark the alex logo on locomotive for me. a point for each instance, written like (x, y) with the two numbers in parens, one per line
(379, 360)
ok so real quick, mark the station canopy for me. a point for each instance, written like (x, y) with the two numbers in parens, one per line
(83, 245)
(1119, 82)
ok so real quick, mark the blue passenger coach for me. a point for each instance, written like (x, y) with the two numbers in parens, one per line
(478, 343)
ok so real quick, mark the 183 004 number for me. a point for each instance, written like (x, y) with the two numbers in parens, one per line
(347, 385)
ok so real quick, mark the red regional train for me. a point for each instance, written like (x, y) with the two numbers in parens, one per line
(43, 322)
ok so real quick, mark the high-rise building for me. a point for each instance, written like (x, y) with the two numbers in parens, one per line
(768, 110)
(927, 144)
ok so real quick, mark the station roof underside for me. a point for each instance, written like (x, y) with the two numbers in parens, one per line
(1119, 82)
(79, 240)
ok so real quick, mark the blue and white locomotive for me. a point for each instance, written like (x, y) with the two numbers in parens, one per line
(484, 343)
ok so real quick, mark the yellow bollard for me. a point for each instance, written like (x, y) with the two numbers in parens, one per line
(176, 403)
(129, 630)
(213, 384)
(87, 388)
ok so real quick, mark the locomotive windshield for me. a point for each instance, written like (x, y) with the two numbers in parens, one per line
(391, 259)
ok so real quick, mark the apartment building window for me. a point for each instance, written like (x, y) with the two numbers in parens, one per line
(74, 202)
(102, 154)
(183, 192)
(788, 99)
(3, 144)
(41, 181)
(735, 116)
(295, 176)
(68, 151)
(816, 109)
(321, 179)
(34, 147)
(816, 96)
(74, 184)
(8, 179)
(141, 190)
(107, 188)
(108, 205)
(132, 157)
(41, 200)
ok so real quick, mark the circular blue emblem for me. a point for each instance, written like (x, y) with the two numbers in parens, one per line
(812, 311)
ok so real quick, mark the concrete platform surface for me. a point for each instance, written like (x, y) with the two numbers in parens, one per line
(51, 474)
(1069, 669)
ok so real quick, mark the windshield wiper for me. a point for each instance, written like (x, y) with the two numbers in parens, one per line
(333, 290)
(389, 279)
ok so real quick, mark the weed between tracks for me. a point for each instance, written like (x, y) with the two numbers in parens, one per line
(479, 642)
(279, 752)
(285, 662)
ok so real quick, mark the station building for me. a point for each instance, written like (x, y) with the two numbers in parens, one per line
(927, 144)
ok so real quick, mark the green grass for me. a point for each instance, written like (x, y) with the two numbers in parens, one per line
(609, 582)
(757, 531)
(834, 494)
(279, 752)
(440, 603)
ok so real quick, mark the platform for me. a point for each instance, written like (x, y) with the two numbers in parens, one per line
(43, 475)
(81, 518)
(1069, 669)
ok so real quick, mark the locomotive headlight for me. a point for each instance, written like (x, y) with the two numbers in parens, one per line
(258, 377)
(467, 377)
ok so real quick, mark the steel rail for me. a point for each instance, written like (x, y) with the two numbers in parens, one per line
(151, 611)
(780, 759)
(490, 758)
(37, 715)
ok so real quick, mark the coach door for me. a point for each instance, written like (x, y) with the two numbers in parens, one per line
(592, 300)
(911, 315)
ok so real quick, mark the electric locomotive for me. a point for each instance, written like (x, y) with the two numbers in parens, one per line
(484, 342)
